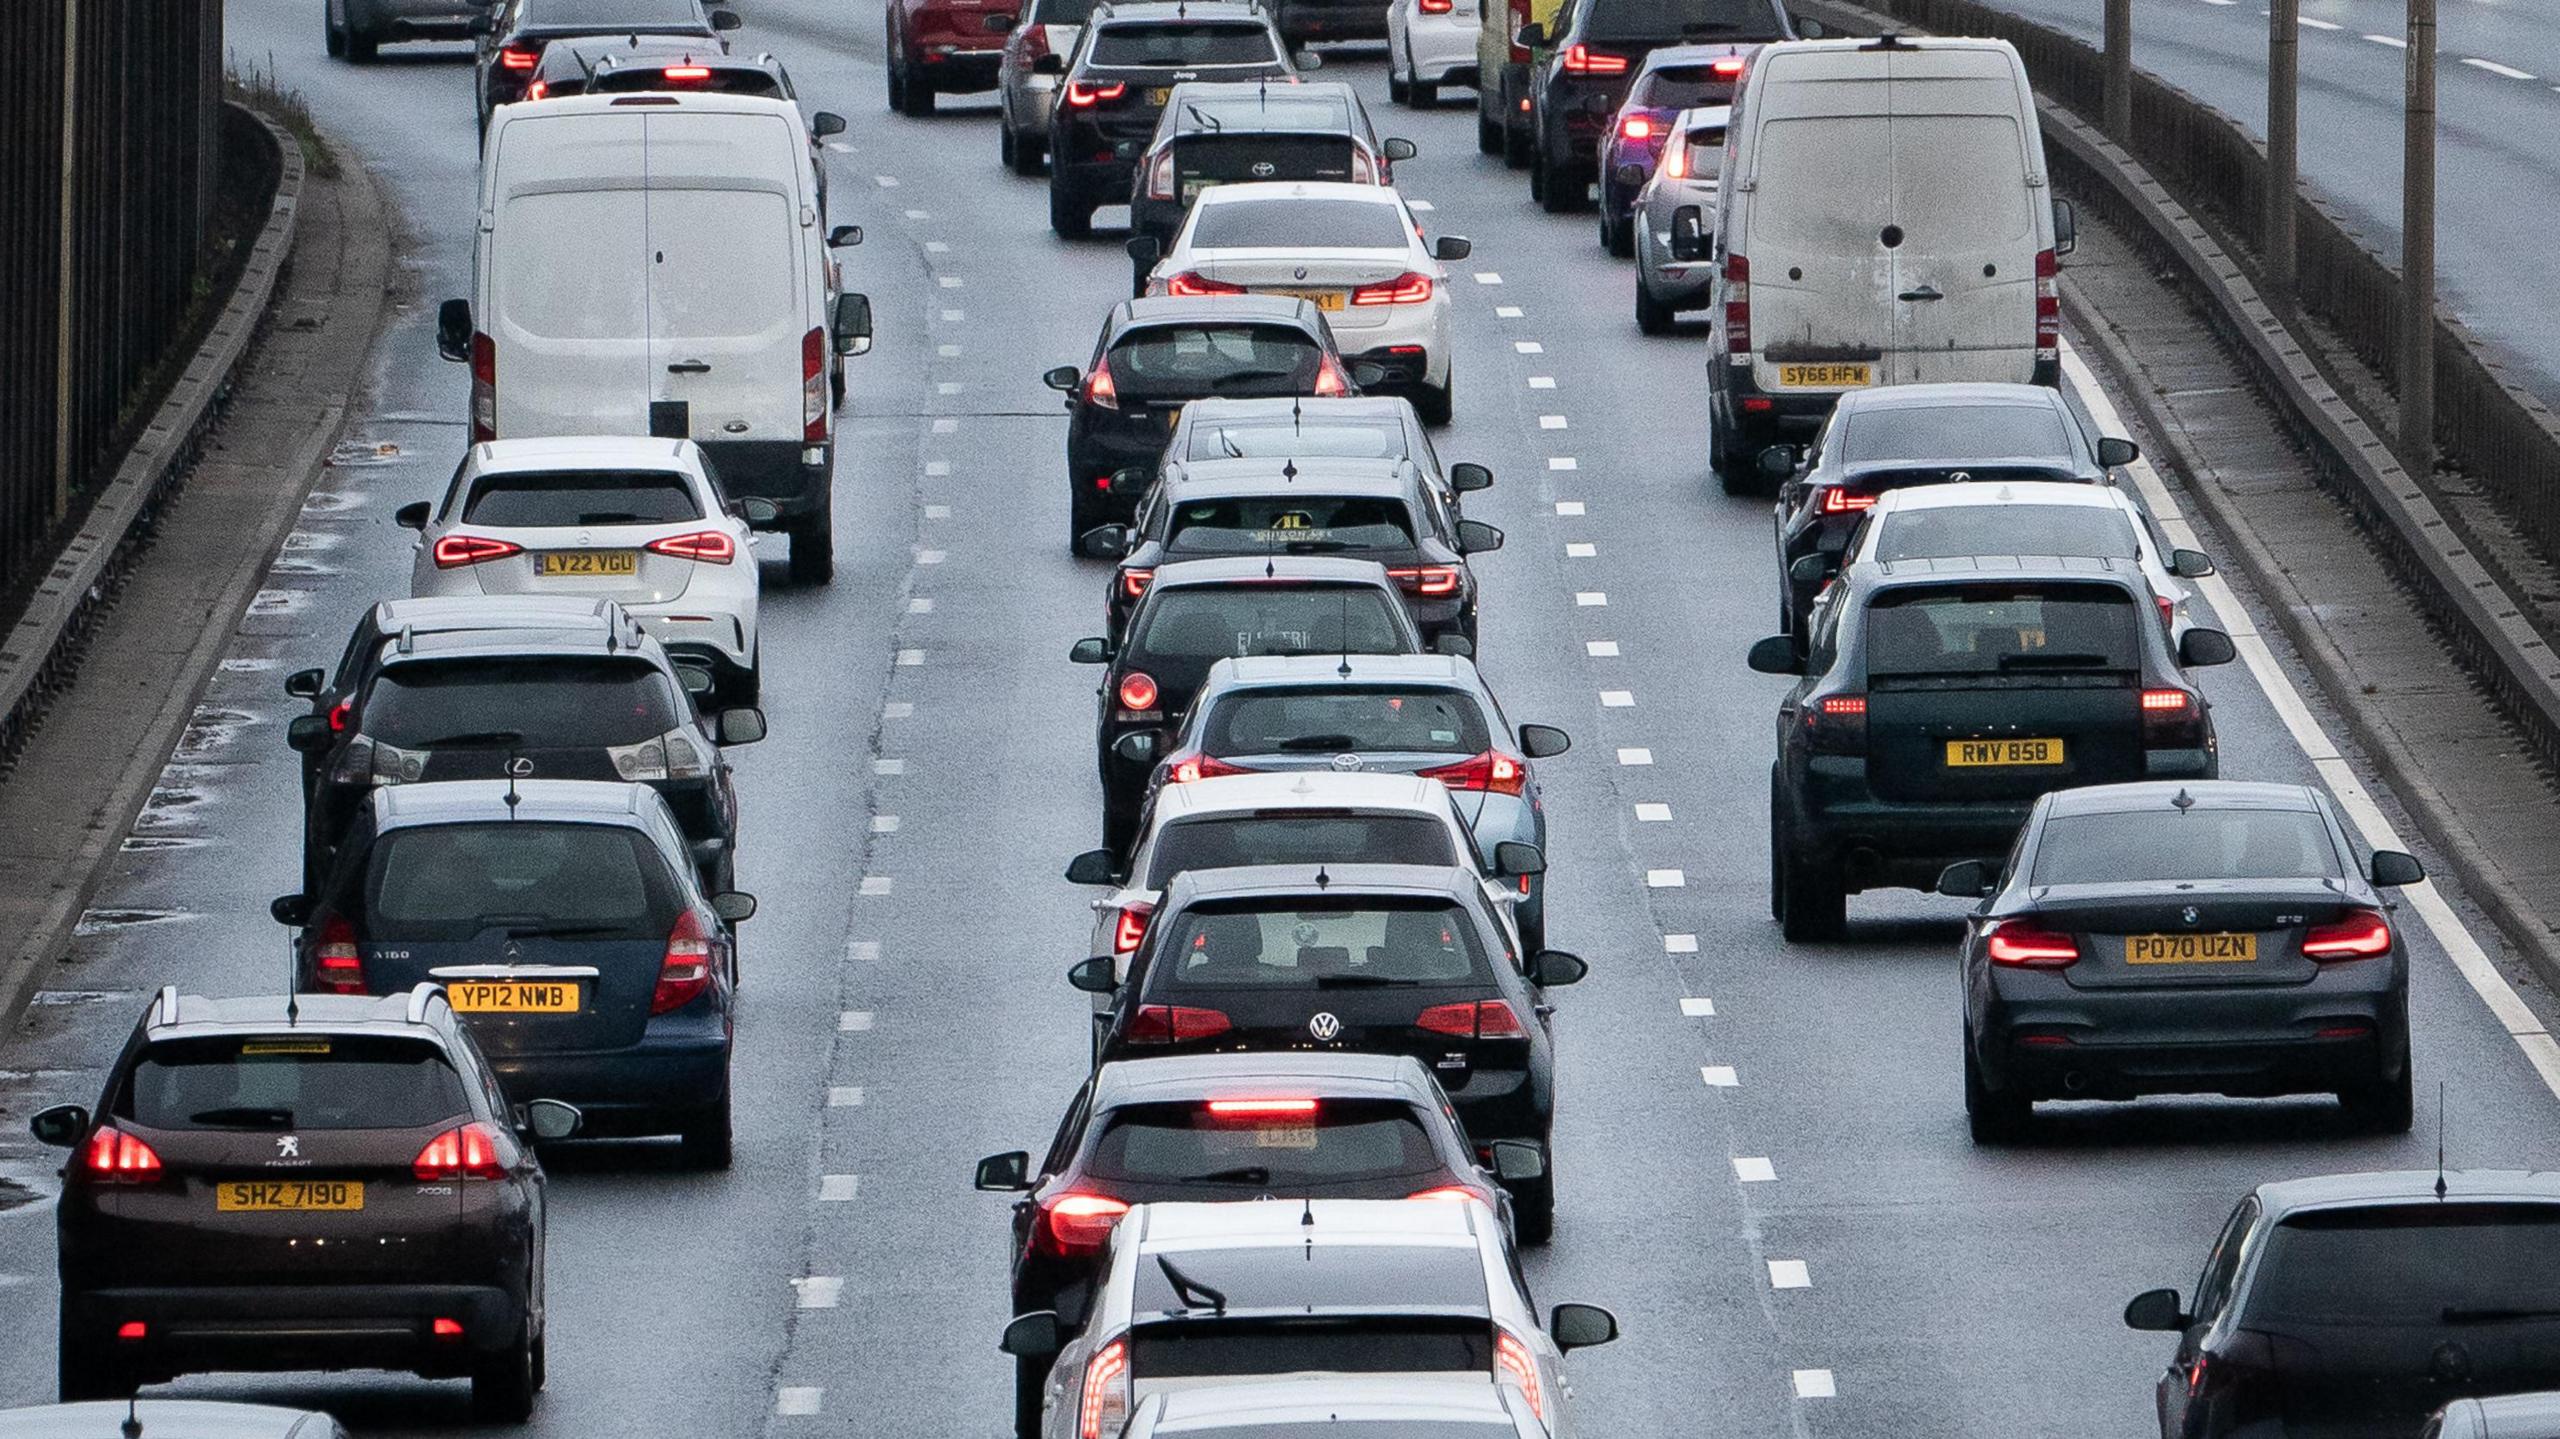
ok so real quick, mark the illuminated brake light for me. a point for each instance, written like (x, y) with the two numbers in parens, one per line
(1134, 582)
(2048, 307)
(339, 715)
(1847, 706)
(1727, 68)
(1737, 309)
(335, 964)
(1429, 580)
(133, 1329)
(1192, 285)
(113, 1155)
(1454, 1193)
(2016, 944)
(1675, 166)
(1176, 1024)
(1073, 1224)
(1331, 383)
(466, 1151)
(1492, 771)
(1200, 767)
(1130, 929)
(1259, 1108)
(1636, 127)
(1837, 501)
(1583, 60)
(1410, 288)
(1084, 94)
(446, 1329)
(2165, 701)
(537, 90)
(710, 547)
(1472, 1019)
(1138, 691)
(515, 58)
(455, 551)
(813, 387)
(1435, 7)
(1513, 1361)
(684, 971)
(1106, 1392)
(687, 72)
(2360, 934)
(1099, 388)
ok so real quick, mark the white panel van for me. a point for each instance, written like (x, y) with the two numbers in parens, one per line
(655, 264)
(1884, 219)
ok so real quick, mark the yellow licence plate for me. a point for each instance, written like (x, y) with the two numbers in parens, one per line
(590, 562)
(2190, 949)
(1988, 753)
(1159, 94)
(258, 1196)
(1825, 377)
(1285, 1136)
(1321, 299)
(511, 997)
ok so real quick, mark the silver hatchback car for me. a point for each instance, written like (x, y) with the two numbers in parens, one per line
(1674, 215)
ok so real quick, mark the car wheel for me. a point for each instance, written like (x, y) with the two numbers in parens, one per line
(502, 1384)
(363, 46)
(1436, 403)
(1422, 94)
(1488, 132)
(1995, 1116)
(332, 37)
(1027, 151)
(1813, 904)
(1533, 932)
(835, 383)
(1069, 215)
(1618, 234)
(1777, 854)
(1138, 272)
(1733, 470)
(1005, 147)
(707, 1138)
(750, 686)
(1560, 195)
(915, 96)
(1398, 91)
(2384, 1106)
(897, 80)
(813, 547)
(1533, 1204)
(1517, 144)
(1119, 822)
(1082, 514)
(1652, 316)
(1030, 1376)
(1538, 178)
(84, 1371)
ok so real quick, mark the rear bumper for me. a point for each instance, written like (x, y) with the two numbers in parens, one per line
(1760, 418)
(674, 1072)
(2325, 1036)
(1408, 361)
(280, 1327)
(412, 19)
(1326, 20)
(954, 71)
(796, 475)
(699, 632)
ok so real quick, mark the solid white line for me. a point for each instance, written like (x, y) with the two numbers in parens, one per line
(2394, 41)
(845, 1097)
(819, 1291)
(1654, 813)
(1789, 1274)
(1542, 382)
(2504, 72)
(1719, 1076)
(853, 1021)
(1752, 1169)
(1591, 599)
(1601, 649)
(1563, 462)
(838, 1188)
(884, 824)
(1637, 756)
(1617, 699)
(797, 1399)
(876, 884)
(1580, 550)
(1679, 944)
(1697, 1007)
(1551, 422)
(1569, 508)
(1665, 879)
(1815, 1384)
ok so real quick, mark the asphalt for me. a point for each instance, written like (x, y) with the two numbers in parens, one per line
(1773, 1189)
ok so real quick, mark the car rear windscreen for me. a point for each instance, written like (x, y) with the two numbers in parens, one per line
(1957, 531)
(596, 15)
(519, 879)
(1358, 945)
(1662, 21)
(2434, 1265)
(1336, 720)
(1279, 111)
(1359, 1344)
(2002, 630)
(580, 497)
(1183, 45)
(2196, 844)
(1059, 12)
(1187, 362)
(520, 702)
(1236, 841)
(1291, 524)
(1684, 87)
(292, 1081)
(1282, 1143)
(1937, 434)
(1216, 623)
(1355, 442)
(1299, 223)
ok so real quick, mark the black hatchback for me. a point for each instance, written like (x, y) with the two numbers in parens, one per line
(513, 35)
(1584, 68)
(1382, 959)
(1941, 698)
(1224, 132)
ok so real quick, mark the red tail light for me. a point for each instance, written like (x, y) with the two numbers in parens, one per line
(1432, 580)
(447, 1329)
(1492, 771)
(1675, 164)
(2359, 934)
(1837, 724)
(1727, 68)
(711, 547)
(455, 551)
(1130, 929)
(2165, 701)
(1138, 691)
(1259, 1108)
(466, 1151)
(2048, 306)
(335, 963)
(117, 1157)
(1450, 1192)
(1436, 7)
(1176, 1024)
(1837, 501)
(684, 972)
(339, 714)
(1073, 1223)
(687, 72)
(1331, 383)
(1477, 1019)
(1583, 60)
(1035, 42)
(1106, 1392)
(2168, 611)
(1100, 388)
(813, 387)
(1200, 766)
(2019, 945)
(484, 388)
(1513, 1361)
(1160, 177)
(1737, 309)
(1519, 17)
(1084, 94)
(1134, 582)
(2172, 716)
(1409, 288)
(516, 57)
(537, 89)
(1636, 127)
(133, 1329)
(1191, 284)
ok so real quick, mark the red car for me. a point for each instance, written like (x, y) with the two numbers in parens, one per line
(944, 47)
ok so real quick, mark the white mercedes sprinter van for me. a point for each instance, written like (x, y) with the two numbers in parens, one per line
(655, 264)
(1884, 219)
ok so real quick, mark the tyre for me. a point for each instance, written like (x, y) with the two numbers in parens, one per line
(748, 689)
(1026, 154)
(1119, 821)
(1082, 515)
(1398, 92)
(1813, 905)
(332, 38)
(1995, 1116)
(1777, 855)
(835, 384)
(1436, 403)
(1005, 147)
(1069, 214)
(1488, 132)
(1533, 1204)
(1561, 195)
(1537, 181)
(706, 1139)
(1517, 145)
(2384, 1106)
(502, 1384)
(1030, 1376)
(813, 547)
(1617, 232)
(897, 82)
(1533, 932)
(915, 97)
(1652, 316)
(84, 1371)
(363, 46)
(1734, 470)
(1422, 94)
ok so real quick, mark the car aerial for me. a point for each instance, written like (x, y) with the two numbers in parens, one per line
(1940, 698)
(1353, 251)
(235, 1139)
(636, 521)
(358, 29)
(2353, 1304)
(1430, 43)
(1157, 355)
(1344, 1406)
(1672, 81)
(1223, 1127)
(568, 66)
(943, 47)
(1587, 61)
(1222, 132)
(1888, 439)
(1198, 612)
(1430, 716)
(463, 687)
(1199, 1295)
(167, 1419)
(2037, 517)
(565, 921)
(1374, 958)
(1111, 87)
(1671, 218)
(2168, 938)
(1360, 427)
(1024, 91)
(1381, 510)
(513, 34)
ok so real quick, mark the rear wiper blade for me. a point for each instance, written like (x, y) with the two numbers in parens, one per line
(1317, 743)
(1363, 981)
(244, 1117)
(2054, 661)
(1245, 1174)
(2458, 1315)
(1248, 377)
(615, 517)
(474, 737)
(1318, 547)
(560, 931)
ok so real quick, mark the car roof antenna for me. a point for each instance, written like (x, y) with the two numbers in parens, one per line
(2440, 1185)
(132, 1426)
(1343, 670)
(2182, 801)
(513, 799)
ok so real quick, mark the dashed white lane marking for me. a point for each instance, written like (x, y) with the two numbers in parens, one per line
(897, 709)
(1752, 1169)
(798, 1399)
(2504, 72)
(845, 1096)
(918, 215)
(932, 557)
(910, 658)
(877, 884)
(920, 605)
(1506, 312)
(1563, 462)
(888, 766)
(838, 1188)
(1679, 944)
(1528, 347)
(1419, 206)
(853, 1021)
(1654, 813)
(948, 352)
(2394, 41)
(1591, 599)
(887, 182)
(949, 282)
(1601, 649)
(840, 147)
(1815, 1384)
(884, 824)
(1665, 879)
(1635, 756)
(1698, 1007)
(937, 512)
(1488, 277)
(1617, 699)
(2310, 23)
(1719, 1076)
(1569, 508)
(1789, 1274)
(954, 317)
(1542, 382)
(948, 387)
(1580, 550)
(936, 247)
(937, 467)
(945, 427)
(1551, 422)
(863, 951)
(819, 1291)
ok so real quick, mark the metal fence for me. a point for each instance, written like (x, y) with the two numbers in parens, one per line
(110, 118)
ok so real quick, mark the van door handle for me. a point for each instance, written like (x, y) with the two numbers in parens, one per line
(697, 367)
(1925, 292)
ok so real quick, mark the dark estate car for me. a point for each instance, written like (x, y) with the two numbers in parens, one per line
(513, 35)
(312, 1183)
(1223, 132)
(1583, 70)
(1940, 698)
(569, 66)
(1672, 79)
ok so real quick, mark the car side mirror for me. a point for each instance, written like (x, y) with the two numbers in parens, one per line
(853, 324)
(1966, 879)
(413, 515)
(1137, 747)
(1145, 249)
(1129, 478)
(1778, 462)
(1580, 1326)
(696, 680)
(305, 684)
(1775, 655)
(1367, 374)
(1466, 477)
(1813, 569)
(844, 237)
(2113, 451)
(307, 734)
(1631, 175)
(59, 1127)
(551, 1119)
(2156, 1310)
(743, 725)
(453, 328)
(758, 511)
(725, 20)
(1475, 537)
(1093, 976)
(484, 25)
(1538, 741)
(1455, 646)
(1810, 29)
(1064, 378)
(1398, 148)
(2190, 564)
(1550, 968)
(823, 124)
(1689, 234)
(2199, 647)
(1513, 858)
(2066, 228)
(1094, 866)
(1104, 542)
(1517, 1161)
(734, 905)
(1532, 36)
(290, 910)
(1306, 60)
(1007, 1173)
(1036, 1335)
(2391, 867)
(1089, 651)
(1050, 64)
(1452, 247)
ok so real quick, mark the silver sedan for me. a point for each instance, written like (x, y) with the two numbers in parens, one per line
(1681, 196)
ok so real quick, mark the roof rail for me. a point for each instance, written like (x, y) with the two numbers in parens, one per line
(408, 641)
(164, 1009)
(425, 990)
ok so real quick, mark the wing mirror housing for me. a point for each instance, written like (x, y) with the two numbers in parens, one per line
(307, 734)
(1777, 462)
(734, 905)
(1813, 569)
(2190, 564)
(1093, 976)
(484, 25)
(2066, 228)
(1064, 378)
(844, 237)
(1089, 651)
(2157, 1311)
(1000, 24)
(1368, 375)
(290, 910)
(2200, 646)
(853, 324)
(1539, 741)
(1517, 1161)
(2391, 867)
(1532, 36)
(1549, 968)
(725, 20)
(1475, 537)
(2113, 451)
(413, 515)
(1145, 249)
(1966, 879)
(1467, 477)
(1094, 866)
(1104, 542)
(1131, 477)
(1632, 176)
(1689, 235)
(1036, 1335)
(1050, 64)
(1451, 247)
(551, 1119)
(1006, 1173)
(696, 680)
(305, 684)
(823, 124)
(758, 511)
(1580, 1326)
(1513, 858)
(1775, 655)
(453, 328)
(1398, 148)
(1137, 747)
(1455, 646)
(59, 1127)
(1808, 29)
(743, 725)
(1306, 60)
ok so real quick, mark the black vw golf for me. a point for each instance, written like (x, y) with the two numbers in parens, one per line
(2212, 936)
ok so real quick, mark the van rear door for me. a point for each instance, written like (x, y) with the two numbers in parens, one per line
(1964, 296)
(727, 319)
(1819, 270)
(567, 292)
